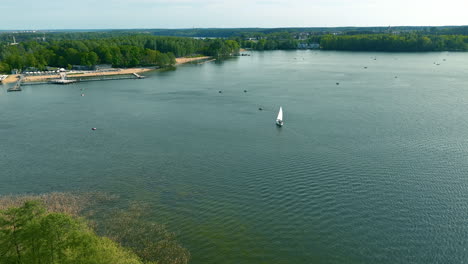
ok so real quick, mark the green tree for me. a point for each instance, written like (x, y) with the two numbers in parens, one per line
(4, 67)
(30, 235)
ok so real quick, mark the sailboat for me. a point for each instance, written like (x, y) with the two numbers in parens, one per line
(279, 119)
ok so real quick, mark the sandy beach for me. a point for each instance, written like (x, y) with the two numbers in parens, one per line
(186, 60)
(116, 71)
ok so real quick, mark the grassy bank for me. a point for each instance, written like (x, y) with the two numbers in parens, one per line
(124, 232)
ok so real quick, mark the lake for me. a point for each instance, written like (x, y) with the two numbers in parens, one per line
(371, 165)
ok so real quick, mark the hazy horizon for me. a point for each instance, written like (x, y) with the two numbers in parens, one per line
(185, 14)
(185, 28)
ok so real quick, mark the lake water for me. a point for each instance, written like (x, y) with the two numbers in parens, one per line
(372, 170)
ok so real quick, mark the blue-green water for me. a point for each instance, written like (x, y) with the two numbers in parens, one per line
(373, 170)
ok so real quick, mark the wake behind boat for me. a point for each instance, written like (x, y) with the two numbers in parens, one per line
(279, 118)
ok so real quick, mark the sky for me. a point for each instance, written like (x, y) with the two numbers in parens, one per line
(123, 14)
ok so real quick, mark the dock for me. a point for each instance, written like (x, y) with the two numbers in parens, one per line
(63, 81)
(206, 61)
(138, 76)
(110, 78)
(66, 80)
(17, 87)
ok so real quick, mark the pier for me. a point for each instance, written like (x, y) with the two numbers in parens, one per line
(17, 87)
(64, 80)
(138, 76)
(110, 78)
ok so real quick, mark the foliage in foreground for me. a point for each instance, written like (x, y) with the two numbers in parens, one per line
(149, 240)
(131, 226)
(28, 234)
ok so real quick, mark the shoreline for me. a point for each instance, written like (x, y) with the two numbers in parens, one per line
(114, 71)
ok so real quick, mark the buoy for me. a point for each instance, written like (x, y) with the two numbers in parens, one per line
(260, 108)
(93, 128)
(245, 91)
(82, 94)
(220, 91)
(337, 83)
(365, 67)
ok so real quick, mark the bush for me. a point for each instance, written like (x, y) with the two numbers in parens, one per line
(29, 234)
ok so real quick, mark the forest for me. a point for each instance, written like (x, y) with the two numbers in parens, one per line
(392, 42)
(405, 42)
(120, 51)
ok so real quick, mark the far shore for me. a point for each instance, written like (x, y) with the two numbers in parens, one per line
(115, 71)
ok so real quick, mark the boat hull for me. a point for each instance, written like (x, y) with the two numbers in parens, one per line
(279, 123)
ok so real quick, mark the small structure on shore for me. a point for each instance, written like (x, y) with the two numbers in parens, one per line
(63, 79)
(3, 77)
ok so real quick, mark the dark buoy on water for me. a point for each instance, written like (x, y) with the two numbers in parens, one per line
(365, 67)
(337, 83)
(220, 91)
(245, 91)
(93, 128)
(260, 108)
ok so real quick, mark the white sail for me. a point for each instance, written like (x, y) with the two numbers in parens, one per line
(280, 114)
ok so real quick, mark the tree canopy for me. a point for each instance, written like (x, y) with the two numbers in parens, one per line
(395, 42)
(122, 51)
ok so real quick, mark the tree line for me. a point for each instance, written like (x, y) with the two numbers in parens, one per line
(405, 42)
(393, 42)
(122, 51)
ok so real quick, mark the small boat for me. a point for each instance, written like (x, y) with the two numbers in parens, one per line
(279, 118)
